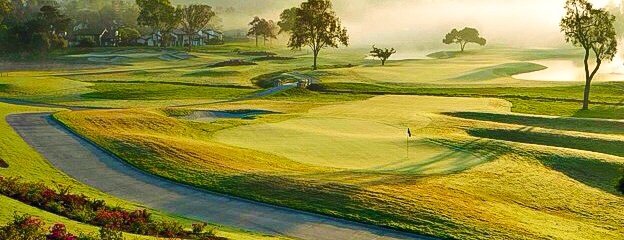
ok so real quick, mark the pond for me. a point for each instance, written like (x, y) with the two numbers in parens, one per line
(568, 70)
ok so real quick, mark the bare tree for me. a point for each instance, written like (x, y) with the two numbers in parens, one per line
(382, 54)
(593, 30)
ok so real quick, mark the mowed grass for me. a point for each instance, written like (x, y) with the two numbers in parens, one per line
(26, 163)
(562, 123)
(356, 136)
(519, 190)
(343, 154)
(553, 100)
(501, 70)
(162, 91)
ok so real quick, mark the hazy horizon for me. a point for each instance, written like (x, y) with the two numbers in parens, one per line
(523, 23)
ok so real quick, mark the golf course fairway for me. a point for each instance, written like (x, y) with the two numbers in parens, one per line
(365, 135)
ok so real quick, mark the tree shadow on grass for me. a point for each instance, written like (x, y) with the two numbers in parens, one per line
(580, 142)
(562, 123)
(590, 171)
(602, 111)
(459, 156)
(593, 172)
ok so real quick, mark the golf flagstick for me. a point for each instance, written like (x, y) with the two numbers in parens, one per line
(409, 134)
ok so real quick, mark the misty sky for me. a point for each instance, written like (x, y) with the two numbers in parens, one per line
(527, 23)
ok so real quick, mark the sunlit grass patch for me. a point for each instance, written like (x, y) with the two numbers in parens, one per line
(161, 91)
(563, 123)
(211, 73)
(501, 70)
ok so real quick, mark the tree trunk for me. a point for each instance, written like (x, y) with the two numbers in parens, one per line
(190, 46)
(587, 80)
(586, 95)
(315, 56)
(256, 41)
(383, 62)
(463, 46)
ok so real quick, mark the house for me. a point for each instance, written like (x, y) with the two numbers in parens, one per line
(213, 36)
(179, 37)
(151, 39)
(109, 38)
(87, 33)
(200, 38)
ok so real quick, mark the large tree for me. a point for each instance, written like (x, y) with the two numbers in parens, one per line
(5, 8)
(257, 27)
(382, 54)
(463, 37)
(128, 35)
(159, 15)
(195, 17)
(37, 34)
(287, 20)
(593, 30)
(317, 26)
(270, 32)
(262, 27)
(52, 20)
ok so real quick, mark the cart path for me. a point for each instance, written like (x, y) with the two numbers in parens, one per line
(96, 167)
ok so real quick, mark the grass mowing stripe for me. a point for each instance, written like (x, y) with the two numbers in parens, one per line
(565, 140)
(562, 123)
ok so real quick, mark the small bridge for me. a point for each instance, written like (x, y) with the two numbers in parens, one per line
(302, 80)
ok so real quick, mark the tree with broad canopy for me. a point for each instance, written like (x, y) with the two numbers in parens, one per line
(317, 27)
(463, 37)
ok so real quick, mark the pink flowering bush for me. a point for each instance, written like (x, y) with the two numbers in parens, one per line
(58, 231)
(23, 227)
(81, 208)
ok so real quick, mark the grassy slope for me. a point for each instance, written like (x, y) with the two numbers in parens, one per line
(26, 163)
(556, 101)
(519, 193)
(523, 189)
(156, 91)
(498, 71)
(341, 136)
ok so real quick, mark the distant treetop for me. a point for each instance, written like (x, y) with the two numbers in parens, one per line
(463, 37)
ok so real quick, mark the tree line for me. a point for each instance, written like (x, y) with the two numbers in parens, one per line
(36, 27)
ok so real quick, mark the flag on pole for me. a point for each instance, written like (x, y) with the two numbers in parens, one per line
(409, 133)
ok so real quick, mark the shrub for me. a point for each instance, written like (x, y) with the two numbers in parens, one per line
(198, 227)
(233, 62)
(110, 234)
(86, 43)
(23, 227)
(58, 231)
(255, 53)
(113, 220)
(620, 186)
(269, 58)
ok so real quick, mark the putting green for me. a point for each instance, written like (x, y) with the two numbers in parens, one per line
(365, 135)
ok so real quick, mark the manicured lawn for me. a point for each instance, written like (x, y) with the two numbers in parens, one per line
(162, 91)
(556, 101)
(340, 158)
(25, 162)
(474, 169)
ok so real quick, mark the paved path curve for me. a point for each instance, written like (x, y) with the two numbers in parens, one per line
(94, 166)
